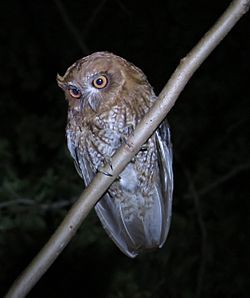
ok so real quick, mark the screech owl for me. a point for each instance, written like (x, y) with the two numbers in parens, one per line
(107, 96)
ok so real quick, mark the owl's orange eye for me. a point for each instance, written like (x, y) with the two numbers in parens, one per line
(75, 92)
(100, 82)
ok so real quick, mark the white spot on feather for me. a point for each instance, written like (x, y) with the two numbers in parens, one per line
(128, 178)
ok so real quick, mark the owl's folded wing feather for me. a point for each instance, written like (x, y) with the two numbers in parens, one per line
(150, 231)
(165, 158)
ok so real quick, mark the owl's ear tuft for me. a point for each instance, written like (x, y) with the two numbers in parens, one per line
(60, 81)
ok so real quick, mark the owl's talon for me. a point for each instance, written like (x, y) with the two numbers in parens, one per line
(144, 147)
(105, 173)
(118, 178)
(124, 141)
(109, 162)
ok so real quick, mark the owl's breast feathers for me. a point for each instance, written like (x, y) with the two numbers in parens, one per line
(96, 135)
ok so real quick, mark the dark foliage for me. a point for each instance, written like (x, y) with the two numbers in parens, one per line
(207, 252)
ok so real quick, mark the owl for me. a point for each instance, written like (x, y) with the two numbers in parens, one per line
(107, 97)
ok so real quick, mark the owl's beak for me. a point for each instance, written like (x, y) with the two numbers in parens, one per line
(94, 102)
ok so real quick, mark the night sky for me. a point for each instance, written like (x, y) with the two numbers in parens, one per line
(207, 250)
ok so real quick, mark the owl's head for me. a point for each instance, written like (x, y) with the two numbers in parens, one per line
(99, 80)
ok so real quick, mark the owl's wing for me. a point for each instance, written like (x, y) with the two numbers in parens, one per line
(107, 210)
(111, 216)
(138, 234)
(166, 181)
(81, 164)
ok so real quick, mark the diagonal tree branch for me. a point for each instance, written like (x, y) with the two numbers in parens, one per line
(71, 27)
(146, 127)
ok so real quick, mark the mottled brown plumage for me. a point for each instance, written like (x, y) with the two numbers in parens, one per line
(107, 97)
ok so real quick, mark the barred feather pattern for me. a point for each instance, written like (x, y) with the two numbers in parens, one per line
(136, 210)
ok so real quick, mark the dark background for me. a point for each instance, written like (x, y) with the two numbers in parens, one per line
(207, 251)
